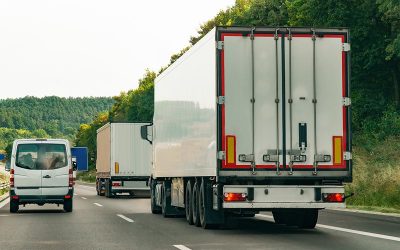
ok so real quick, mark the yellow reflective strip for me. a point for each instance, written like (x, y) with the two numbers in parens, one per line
(338, 150)
(116, 167)
(230, 149)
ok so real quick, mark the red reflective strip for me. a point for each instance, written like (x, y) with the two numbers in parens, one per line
(334, 197)
(15, 197)
(67, 197)
(234, 197)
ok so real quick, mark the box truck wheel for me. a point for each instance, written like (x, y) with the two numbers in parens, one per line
(154, 208)
(195, 206)
(188, 202)
(108, 188)
(308, 219)
(14, 206)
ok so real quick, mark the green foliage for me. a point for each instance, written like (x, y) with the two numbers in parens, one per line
(56, 116)
(87, 135)
(8, 135)
(135, 106)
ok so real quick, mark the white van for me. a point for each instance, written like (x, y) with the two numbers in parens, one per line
(41, 172)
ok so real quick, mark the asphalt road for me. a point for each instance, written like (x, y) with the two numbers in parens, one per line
(121, 223)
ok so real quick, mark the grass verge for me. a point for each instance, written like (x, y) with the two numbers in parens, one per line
(89, 176)
(376, 177)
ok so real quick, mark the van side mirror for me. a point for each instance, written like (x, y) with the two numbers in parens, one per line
(8, 166)
(146, 133)
(74, 166)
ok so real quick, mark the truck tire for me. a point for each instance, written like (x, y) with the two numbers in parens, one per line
(164, 201)
(188, 202)
(308, 219)
(205, 208)
(279, 217)
(14, 206)
(68, 205)
(98, 188)
(195, 206)
(108, 192)
(154, 208)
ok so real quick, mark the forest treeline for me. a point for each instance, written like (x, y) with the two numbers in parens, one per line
(32, 117)
(375, 79)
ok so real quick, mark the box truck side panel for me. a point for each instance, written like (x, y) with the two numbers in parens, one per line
(185, 114)
(103, 149)
(298, 125)
(130, 155)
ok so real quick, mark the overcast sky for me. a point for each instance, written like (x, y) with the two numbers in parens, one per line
(91, 47)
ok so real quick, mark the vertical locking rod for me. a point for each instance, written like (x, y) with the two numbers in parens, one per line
(315, 105)
(253, 163)
(290, 103)
(276, 37)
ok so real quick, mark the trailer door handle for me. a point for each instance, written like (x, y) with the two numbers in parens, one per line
(47, 176)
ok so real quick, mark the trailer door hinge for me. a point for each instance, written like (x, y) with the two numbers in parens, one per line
(221, 100)
(345, 47)
(346, 101)
(220, 45)
(347, 156)
(221, 155)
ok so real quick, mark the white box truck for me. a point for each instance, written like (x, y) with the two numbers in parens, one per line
(253, 119)
(123, 160)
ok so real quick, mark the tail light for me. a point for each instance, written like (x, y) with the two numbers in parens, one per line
(67, 196)
(235, 197)
(71, 182)
(12, 178)
(116, 184)
(333, 197)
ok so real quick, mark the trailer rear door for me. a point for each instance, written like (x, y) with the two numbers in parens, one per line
(285, 105)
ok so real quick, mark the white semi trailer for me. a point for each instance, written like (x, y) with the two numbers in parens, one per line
(253, 119)
(123, 160)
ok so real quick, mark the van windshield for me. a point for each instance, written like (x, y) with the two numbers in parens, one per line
(41, 156)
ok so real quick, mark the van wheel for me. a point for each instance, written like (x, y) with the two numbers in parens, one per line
(14, 206)
(68, 205)
(195, 206)
(188, 203)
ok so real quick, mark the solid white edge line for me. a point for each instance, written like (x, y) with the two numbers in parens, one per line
(380, 236)
(125, 218)
(84, 198)
(4, 202)
(182, 247)
(97, 204)
(346, 230)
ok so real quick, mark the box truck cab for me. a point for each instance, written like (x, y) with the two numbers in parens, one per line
(41, 172)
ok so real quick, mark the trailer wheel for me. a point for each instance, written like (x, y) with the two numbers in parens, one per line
(164, 201)
(195, 206)
(205, 209)
(154, 208)
(279, 217)
(308, 219)
(188, 203)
